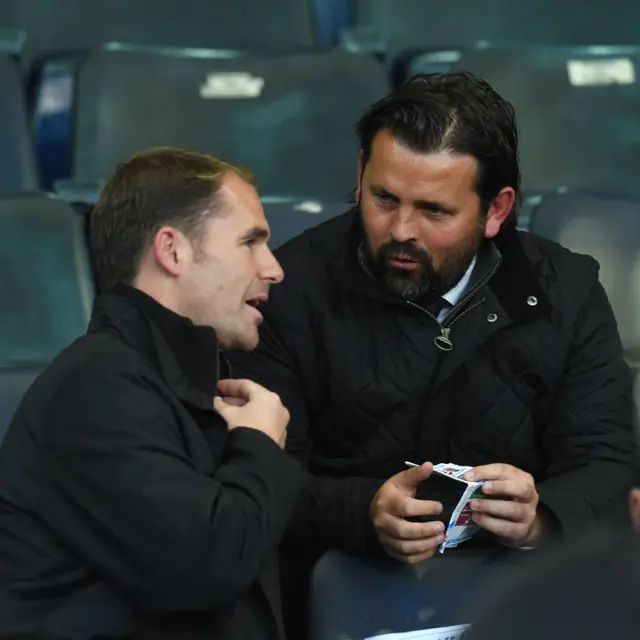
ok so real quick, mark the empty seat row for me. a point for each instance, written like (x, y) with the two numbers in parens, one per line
(437, 23)
(54, 25)
(577, 108)
(68, 25)
(291, 117)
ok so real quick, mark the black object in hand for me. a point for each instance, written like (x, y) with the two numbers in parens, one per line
(443, 489)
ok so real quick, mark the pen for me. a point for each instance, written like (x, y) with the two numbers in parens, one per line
(411, 464)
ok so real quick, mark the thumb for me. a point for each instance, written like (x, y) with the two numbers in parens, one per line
(221, 406)
(411, 478)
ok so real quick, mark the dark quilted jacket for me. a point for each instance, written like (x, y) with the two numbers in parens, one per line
(536, 378)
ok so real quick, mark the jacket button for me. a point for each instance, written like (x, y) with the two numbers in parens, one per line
(492, 317)
(532, 301)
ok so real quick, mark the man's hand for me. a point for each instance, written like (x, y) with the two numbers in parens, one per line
(247, 404)
(405, 541)
(515, 521)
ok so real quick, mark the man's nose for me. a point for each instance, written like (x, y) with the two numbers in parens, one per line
(403, 226)
(270, 268)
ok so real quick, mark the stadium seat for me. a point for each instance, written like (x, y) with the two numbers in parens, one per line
(355, 598)
(289, 217)
(45, 288)
(290, 118)
(435, 23)
(17, 154)
(67, 25)
(13, 384)
(607, 227)
(577, 109)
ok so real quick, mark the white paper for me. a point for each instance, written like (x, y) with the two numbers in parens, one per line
(442, 633)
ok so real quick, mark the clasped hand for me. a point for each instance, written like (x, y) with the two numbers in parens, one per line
(513, 519)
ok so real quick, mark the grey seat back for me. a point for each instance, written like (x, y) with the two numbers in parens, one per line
(411, 23)
(17, 155)
(289, 118)
(607, 227)
(289, 217)
(45, 288)
(66, 25)
(576, 108)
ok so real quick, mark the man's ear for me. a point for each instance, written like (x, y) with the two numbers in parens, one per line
(499, 211)
(170, 250)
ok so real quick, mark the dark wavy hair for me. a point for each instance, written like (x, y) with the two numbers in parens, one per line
(455, 112)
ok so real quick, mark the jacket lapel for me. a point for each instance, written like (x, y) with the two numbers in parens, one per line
(513, 296)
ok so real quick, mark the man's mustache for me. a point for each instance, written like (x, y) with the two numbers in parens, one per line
(406, 250)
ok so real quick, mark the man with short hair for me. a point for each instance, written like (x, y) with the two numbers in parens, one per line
(422, 326)
(128, 508)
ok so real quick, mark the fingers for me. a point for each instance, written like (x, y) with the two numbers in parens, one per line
(410, 479)
(406, 507)
(519, 489)
(401, 529)
(411, 551)
(497, 471)
(246, 389)
(220, 406)
(505, 529)
(236, 402)
(504, 509)
(227, 403)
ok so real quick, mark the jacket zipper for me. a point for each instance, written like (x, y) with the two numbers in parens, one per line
(443, 341)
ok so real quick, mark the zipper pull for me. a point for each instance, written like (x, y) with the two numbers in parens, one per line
(442, 341)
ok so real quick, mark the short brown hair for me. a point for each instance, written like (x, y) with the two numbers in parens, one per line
(157, 187)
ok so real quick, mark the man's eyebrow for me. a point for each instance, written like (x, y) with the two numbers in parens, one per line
(255, 233)
(382, 191)
(429, 205)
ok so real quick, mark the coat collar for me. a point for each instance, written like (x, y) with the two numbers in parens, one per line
(186, 355)
(515, 284)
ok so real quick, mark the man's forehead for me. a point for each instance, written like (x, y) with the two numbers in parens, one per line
(408, 168)
(235, 191)
(240, 220)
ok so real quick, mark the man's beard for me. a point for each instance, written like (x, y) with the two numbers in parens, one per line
(425, 282)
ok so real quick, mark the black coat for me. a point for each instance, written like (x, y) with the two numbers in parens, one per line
(126, 507)
(536, 378)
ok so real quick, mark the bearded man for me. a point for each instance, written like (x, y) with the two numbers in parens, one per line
(423, 326)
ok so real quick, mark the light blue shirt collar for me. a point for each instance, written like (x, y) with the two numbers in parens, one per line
(454, 295)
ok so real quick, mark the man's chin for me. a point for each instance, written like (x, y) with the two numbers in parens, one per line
(249, 340)
(407, 286)
(245, 341)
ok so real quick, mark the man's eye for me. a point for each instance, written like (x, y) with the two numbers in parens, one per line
(384, 197)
